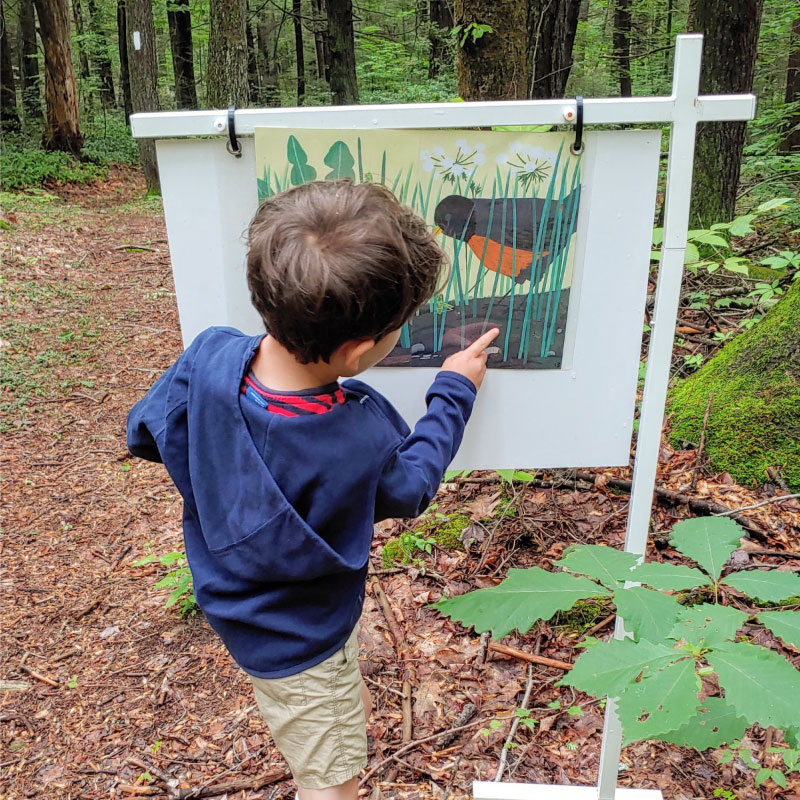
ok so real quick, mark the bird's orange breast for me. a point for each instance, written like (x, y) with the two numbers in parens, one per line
(490, 251)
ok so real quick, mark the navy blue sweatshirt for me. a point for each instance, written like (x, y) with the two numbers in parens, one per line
(278, 511)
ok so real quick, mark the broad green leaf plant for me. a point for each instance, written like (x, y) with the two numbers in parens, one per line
(689, 671)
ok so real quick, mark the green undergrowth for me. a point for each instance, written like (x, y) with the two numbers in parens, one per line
(754, 420)
(584, 615)
(431, 529)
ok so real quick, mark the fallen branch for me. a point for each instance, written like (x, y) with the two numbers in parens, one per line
(766, 502)
(533, 659)
(245, 784)
(39, 676)
(129, 788)
(170, 783)
(514, 725)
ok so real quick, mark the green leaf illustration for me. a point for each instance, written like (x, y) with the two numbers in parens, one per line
(769, 585)
(706, 624)
(668, 577)
(715, 723)
(264, 186)
(302, 171)
(707, 540)
(608, 667)
(757, 683)
(784, 624)
(340, 160)
(660, 703)
(525, 597)
(609, 566)
(647, 614)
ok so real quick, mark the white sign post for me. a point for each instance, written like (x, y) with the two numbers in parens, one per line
(209, 196)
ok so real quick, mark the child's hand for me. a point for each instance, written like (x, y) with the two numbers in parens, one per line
(471, 363)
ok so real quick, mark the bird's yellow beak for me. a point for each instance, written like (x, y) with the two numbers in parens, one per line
(437, 231)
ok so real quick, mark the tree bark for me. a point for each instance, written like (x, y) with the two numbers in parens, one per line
(440, 15)
(551, 27)
(344, 84)
(29, 61)
(731, 37)
(622, 46)
(492, 67)
(227, 55)
(792, 141)
(83, 56)
(62, 129)
(124, 73)
(271, 94)
(9, 115)
(102, 62)
(144, 78)
(321, 46)
(298, 52)
(180, 37)
(253, 86)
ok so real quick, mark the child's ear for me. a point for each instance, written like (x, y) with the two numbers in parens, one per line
(352, 352)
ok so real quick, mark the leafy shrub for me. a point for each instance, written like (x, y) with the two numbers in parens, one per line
(178, 578)
(29, 167)
(675, 639)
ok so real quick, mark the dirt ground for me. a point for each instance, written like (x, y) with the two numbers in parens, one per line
(108, 693)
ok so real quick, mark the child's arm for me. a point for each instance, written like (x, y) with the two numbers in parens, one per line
(413, 472)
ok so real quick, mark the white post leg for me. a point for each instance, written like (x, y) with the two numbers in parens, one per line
(685, 86)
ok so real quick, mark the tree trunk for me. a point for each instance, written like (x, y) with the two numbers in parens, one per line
(29, 61)
(493, 66)
(271, 95)
(180, 37)
(298, 52)
(551, 28)
(344, 84)
(754, 419)
(252, 58)
(62, 129)
(321, 39)
(83, 57)
(441, 23)
(144, 78)
(124, 74)
(622, 46)
(731, 39)
(101, 58)
(9, 116)
(227, 55)
(792, 141)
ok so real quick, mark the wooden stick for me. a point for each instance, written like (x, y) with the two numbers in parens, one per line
(129, 788)
(236, 786)
(388, 613)
(779, 499)
(514, 725)
(39, 676)
(702, 444)
(543, 660)
(600, 625)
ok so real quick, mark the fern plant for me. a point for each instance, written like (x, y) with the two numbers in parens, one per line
(688, 672)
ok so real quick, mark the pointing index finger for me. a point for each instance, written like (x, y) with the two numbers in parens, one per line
(479, 345)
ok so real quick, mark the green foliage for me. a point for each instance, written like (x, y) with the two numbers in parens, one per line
(655, 674)
(340, 160)
(22, 168)
(470, 31)
(302, 171)
(178, 579)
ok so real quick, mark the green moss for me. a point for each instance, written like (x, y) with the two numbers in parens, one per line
(439, 529)
(582, 616)
(446, 530)
(754, 422)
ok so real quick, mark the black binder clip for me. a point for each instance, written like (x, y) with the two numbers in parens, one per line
(576, 148)
(233, 145)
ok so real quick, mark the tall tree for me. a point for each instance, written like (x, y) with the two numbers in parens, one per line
(180, 36)
(551, 27)
(491, 66)
(29, 61)
(271, 94)
(622, 45)
(226, 81)
(344, 84)
(321, 45)
(792, 141)
(100, 57)
(83, 55)
(124, 73)
(8, 88)
(144, 78)
(62, 129)
(440, 15)
(298, 52)
(253, 83)
(729, 54)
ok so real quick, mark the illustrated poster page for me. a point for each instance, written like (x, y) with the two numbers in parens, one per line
(504, 206)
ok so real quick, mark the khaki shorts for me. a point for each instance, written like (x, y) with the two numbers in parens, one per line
(317, 718)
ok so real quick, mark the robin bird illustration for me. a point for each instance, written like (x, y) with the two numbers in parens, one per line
(482, 219)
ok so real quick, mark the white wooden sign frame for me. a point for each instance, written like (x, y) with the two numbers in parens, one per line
(681, 110)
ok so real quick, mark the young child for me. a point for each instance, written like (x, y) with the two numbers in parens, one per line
(283, 470)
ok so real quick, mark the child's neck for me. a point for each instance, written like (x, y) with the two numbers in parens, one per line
(278, 369)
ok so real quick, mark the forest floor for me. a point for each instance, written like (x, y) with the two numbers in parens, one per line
(108, 693)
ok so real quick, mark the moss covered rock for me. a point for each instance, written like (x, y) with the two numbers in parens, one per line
(754, 422)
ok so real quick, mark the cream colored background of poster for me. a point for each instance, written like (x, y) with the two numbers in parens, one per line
(581, 414)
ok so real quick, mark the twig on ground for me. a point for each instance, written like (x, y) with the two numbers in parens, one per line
(600, 625)
(699, 457)
(779, 499)
(514, 725)
(466, 715)
(39, 676)
(450, 783)
(533, 659)
(170, 783)
(231, 787)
